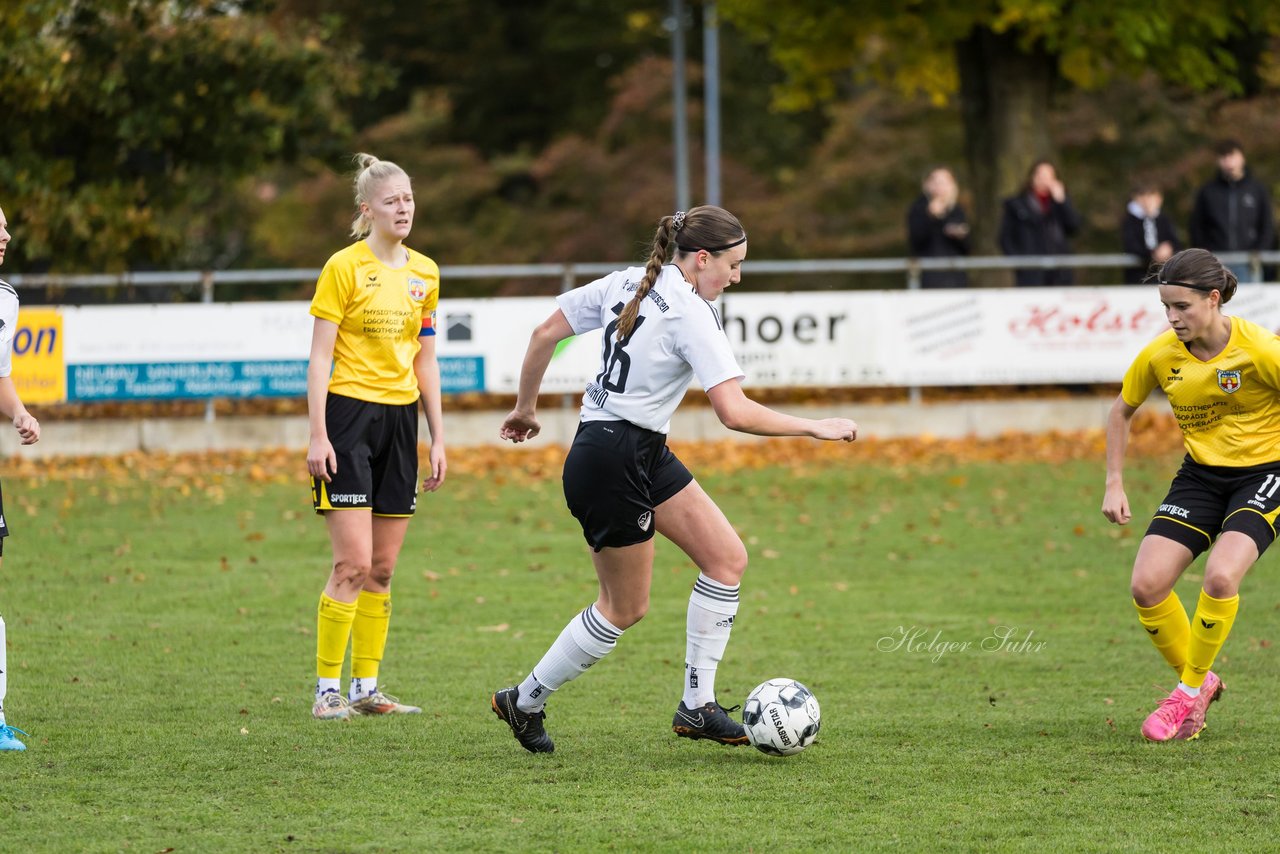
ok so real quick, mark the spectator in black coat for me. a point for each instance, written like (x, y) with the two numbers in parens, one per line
(1039, 221)
(1232, 212)
(937, 227)
(1147, 231)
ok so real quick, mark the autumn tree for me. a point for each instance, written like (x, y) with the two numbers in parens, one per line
(129, 126)
(1003, 60)
(521, 73)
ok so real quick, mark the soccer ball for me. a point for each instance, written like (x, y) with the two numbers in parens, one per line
(781, 717)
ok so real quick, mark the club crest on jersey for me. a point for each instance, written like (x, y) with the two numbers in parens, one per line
(417, 288)
(1229, 381)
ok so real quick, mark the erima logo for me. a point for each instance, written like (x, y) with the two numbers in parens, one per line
(645, 520)
(1153, 631)
(372, 281)
(1208, 625)
(348, 498)
(1176, 370)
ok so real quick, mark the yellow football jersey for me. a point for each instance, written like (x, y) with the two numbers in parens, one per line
(381, 312)
(1228, 407)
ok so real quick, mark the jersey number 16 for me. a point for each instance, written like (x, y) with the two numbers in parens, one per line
(615, 357)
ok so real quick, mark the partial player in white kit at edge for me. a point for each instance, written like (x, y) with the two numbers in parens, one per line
(29, 430)
(621, 481)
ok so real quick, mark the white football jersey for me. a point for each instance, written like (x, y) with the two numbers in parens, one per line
(8, 326)
(677, 336)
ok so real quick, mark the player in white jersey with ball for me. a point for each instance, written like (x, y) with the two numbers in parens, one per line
(29, 431)
(622, 482)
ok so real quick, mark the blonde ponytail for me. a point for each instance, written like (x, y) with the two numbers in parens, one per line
(370, 172)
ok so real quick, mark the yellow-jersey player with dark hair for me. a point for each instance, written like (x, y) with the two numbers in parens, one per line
(1222, 377)
(373, 357)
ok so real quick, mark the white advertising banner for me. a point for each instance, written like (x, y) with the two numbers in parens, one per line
(497, 331)
(163, 352)
(955, 337)
(859, 338)
(110, 334)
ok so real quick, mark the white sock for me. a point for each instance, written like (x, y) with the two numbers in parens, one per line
(361, 687)
(4, 669)
(712, 608)
(587, 638)
(325, 685)
(1188, 690)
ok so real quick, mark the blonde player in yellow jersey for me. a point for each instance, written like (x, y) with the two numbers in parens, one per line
(1222, 377)
(374, 311)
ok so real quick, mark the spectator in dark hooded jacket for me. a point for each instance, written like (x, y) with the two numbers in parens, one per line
(1232, 212)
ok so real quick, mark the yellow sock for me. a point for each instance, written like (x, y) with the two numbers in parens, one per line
(1209, 629)
(333, 630)
(1167, 626)
(369, 633)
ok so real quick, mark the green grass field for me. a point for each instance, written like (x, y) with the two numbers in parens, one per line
(161, 635)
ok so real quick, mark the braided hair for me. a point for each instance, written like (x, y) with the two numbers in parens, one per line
(706, 227)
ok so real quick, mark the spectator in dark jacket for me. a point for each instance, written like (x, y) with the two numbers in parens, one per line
(1147, 231)
(1232, 212)
(938, 228)
(1039, 221)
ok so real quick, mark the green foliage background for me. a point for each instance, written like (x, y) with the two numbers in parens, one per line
(142, 134)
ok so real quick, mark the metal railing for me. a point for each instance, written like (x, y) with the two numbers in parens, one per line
(570, 274)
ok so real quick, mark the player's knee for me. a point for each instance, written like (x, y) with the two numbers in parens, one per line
(1219, 584)
(381, 572)
(629, 614)
(728, 566)
(351, 572)
(1148, 591)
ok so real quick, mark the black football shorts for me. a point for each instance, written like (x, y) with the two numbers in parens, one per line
(377, 449)
(614, 476)
(1204, 501)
